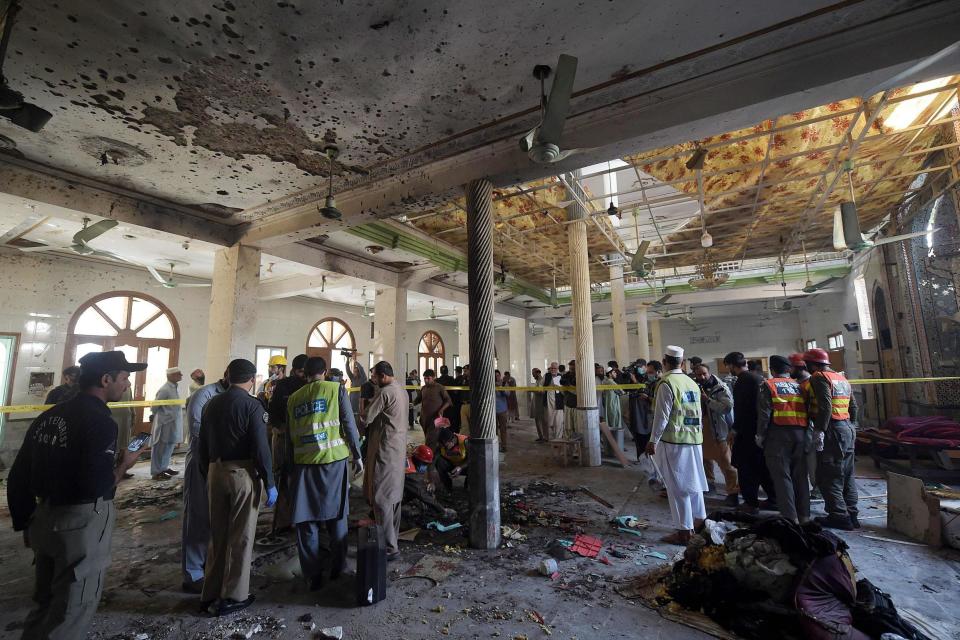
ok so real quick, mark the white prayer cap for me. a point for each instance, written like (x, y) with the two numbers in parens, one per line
(675, 352)
(173, 370)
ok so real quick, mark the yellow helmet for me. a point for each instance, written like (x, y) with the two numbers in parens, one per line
(277, 360)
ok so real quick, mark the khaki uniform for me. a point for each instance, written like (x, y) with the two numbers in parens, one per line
(387, 458)
(71, 546)
(235, 493)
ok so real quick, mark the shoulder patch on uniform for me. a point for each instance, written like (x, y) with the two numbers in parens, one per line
(266, 417)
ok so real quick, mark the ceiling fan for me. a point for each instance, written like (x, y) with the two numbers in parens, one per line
(366, 312)
(542, 143)
(687, 318)
(81, 239)
(169, 283)
(846, 224)
(810, 287)
(640, 264)
(434, 315)
(12, 105)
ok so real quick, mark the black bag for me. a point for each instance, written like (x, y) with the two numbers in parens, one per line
(371, 566)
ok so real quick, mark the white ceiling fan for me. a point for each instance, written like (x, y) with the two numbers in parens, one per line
(434, 315)
(81, 239)
(542, 143)
(366, 312)
(168, 282)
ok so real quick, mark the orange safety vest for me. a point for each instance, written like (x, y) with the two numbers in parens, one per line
(789, 409)
(840, 392)
(459, 454)
(806, 390)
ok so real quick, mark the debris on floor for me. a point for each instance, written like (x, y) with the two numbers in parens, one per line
(768, 578)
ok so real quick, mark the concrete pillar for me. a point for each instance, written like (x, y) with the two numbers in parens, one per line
(656, 340)
(586, 415)
(233, 308)
(643, 331)
(551, 345)
(618, 305)
(463, 334)
(519, 331)
(390, 328)
(484, 455)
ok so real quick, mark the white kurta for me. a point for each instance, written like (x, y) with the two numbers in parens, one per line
(681, 465)
(167, 419)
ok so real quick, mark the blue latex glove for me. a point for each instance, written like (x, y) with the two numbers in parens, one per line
(271, 496)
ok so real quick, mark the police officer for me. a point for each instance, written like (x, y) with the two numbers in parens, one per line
(323, 436)
(234, 457)
(60, 493)
(834, 412)
(782, 434)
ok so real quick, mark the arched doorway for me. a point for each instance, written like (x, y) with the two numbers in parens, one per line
(887, 354)
(140, 326)
(431, 353)
(328, 339)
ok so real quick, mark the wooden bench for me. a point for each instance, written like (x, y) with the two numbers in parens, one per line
(566, 452)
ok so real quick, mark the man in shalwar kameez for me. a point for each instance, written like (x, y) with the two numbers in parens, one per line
(324, 436)
(675, 443)
(386, 454)
(167, 427)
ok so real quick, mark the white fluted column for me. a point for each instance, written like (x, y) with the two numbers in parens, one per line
(586, 414)
(643, 332)
(656, 340)
(233, 308)
(390, 328)
(618, 317)
(463, 334)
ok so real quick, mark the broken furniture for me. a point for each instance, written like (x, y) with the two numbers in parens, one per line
(924, 460)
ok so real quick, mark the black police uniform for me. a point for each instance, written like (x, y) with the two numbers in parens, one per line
(61, 489)
(234, 456)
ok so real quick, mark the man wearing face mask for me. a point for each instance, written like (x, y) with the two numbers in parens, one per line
(60, 494)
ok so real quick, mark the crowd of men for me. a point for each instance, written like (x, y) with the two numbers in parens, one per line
(296, 446)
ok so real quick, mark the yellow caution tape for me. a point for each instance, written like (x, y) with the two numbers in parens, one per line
(134, 404)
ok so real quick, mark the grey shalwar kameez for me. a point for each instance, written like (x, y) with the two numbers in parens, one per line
(387, 459)
(196, 509)
(320, 495)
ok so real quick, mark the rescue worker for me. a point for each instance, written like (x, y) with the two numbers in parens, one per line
(717, 411)
(746, 455)
(676, 443)
(68, 386)
(782, 434)
(417, 486)
(60, 494)
(452, 461)
(280, 439)
(386, 453)
(798, 372)
(276, 370)
(167, 427)
(323, 436)
(195, 536)
(834, 415)
(235, 460)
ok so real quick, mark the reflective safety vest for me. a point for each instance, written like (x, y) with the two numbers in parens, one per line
(789, 409)
(313, 416)
(683, 424)
(806, 390)
(459, 454)
(840, 393)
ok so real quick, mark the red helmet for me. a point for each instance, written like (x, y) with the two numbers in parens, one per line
(818, 356)
(796, 360)
(423, 454)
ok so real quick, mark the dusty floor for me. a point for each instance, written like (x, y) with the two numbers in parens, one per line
(487, 594)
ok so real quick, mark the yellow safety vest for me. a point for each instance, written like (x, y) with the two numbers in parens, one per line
(313, 416)
(683, 426)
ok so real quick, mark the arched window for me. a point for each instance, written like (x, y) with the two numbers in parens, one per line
(431, 352)
(328, 339)
(143, 328)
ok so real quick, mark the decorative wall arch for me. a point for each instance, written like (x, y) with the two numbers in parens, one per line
(327, 338)
(136, 323)
(431, 353)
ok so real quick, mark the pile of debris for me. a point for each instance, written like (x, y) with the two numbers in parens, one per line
(766, 578)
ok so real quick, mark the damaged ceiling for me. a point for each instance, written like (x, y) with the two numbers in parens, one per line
(227, 105)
